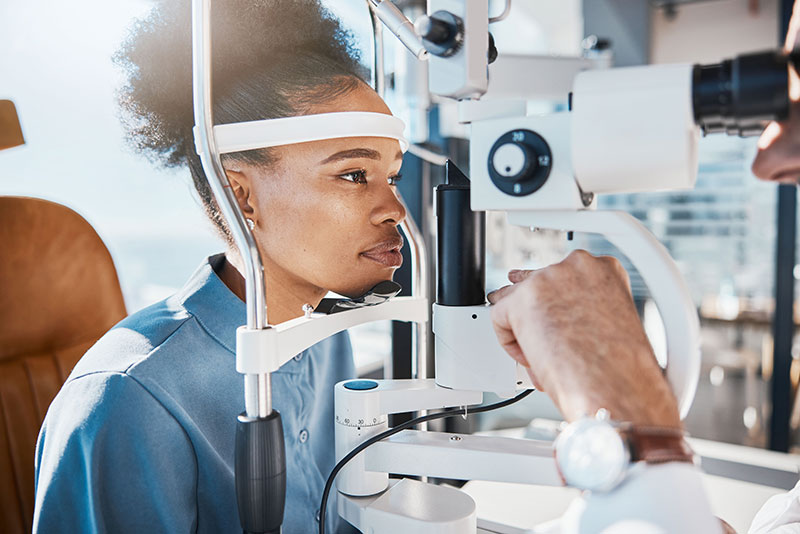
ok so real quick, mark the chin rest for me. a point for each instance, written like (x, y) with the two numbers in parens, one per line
(379, 294)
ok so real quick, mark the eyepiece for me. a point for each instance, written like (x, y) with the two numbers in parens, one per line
(741, 95)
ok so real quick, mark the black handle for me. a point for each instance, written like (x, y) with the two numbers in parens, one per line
(260, 466)
(461, 273)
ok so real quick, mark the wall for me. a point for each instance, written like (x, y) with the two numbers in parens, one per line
(625, 22)
(710, 31)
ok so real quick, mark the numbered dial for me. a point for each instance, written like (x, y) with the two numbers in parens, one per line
(356, 422)
(520, 162)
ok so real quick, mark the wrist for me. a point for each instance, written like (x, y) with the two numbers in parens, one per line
(595, 453)
(659, 410)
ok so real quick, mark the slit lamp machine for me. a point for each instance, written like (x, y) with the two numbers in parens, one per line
(629, 129)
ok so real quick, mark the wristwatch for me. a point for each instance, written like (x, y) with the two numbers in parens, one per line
(595, 453)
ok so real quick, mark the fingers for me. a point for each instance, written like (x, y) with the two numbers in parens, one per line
(505, 333)
(536, 384)
(495, 296)
(508, 339)
(515, 276)
(726, 527)
(518, 275)
(581, 262)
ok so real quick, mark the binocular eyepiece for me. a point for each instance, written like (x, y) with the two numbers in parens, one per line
(740, 96)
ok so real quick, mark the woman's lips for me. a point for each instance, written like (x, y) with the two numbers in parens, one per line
(389, 258)
(386, 253)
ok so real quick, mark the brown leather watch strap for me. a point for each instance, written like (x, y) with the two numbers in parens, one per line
(655, 445)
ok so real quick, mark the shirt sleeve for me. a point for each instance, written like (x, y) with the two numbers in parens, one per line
(779, 515)
(653, 499)
(111, 458)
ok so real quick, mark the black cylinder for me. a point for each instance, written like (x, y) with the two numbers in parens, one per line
(740, 95)
(461, 244)
(260, 466)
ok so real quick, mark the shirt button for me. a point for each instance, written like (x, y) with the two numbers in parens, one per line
(317, 516)
(298, 357)
(303, 436)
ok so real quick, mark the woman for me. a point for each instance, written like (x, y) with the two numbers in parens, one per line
(141, 436)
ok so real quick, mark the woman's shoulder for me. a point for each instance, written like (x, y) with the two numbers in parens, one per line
(134, 338)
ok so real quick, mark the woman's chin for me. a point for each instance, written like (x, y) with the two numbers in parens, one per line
(364, 286)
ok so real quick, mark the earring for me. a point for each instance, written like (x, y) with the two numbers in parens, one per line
(251, 223)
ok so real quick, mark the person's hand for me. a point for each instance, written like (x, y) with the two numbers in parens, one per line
(778, 156)
(575, 327)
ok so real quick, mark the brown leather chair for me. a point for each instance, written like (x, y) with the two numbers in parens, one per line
(10, 129)
(59, 293)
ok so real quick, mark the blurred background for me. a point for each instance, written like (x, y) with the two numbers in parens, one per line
(56, 66)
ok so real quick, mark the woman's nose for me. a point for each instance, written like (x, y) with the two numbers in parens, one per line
(389, 208)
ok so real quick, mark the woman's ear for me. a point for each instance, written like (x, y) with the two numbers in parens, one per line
(241, 185)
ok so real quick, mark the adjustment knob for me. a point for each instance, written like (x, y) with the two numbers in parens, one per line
(512, 161)
(520, 162)
(434, 30)
(442, 33)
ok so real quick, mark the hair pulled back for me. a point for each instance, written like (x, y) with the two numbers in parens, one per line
(270, 59)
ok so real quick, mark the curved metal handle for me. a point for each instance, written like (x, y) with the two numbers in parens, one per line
(258, 390)
(660, 274)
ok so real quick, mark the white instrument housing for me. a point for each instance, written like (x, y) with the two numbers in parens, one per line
(633, 129)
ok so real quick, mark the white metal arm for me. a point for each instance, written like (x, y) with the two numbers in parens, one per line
(465, 457)
(265, 351)
(660, 274)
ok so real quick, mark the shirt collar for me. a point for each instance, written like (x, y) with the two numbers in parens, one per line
(215, 307)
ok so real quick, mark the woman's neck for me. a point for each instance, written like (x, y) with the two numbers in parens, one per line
(285, 296)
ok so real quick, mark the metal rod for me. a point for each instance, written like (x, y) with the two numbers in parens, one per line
(378, 70)
(417, 250)
(402, 28)
(428, 155)
(503, 15)
(419, 288)
(258, 398)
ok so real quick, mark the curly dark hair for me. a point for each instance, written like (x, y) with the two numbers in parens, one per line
(270, 59)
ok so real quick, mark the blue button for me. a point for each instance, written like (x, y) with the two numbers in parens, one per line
(361, 385)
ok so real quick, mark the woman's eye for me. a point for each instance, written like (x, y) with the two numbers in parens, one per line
(394, 179)
(358, 177)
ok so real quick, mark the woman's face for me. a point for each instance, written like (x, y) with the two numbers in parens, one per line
(327, 212)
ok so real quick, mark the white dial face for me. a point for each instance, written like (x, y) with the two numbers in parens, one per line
(509, 160)
(592, 455)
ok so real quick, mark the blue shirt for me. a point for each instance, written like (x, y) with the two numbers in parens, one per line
(141, 436)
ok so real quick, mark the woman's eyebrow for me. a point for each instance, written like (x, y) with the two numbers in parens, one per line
(354, 153)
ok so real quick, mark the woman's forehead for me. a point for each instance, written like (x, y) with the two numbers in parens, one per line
(327, 151)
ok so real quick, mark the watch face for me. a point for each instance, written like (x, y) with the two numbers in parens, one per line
(592, 455)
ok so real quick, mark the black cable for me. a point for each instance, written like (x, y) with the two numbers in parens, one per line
(403, 426)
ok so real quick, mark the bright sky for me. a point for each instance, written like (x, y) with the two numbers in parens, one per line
(56, 67)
